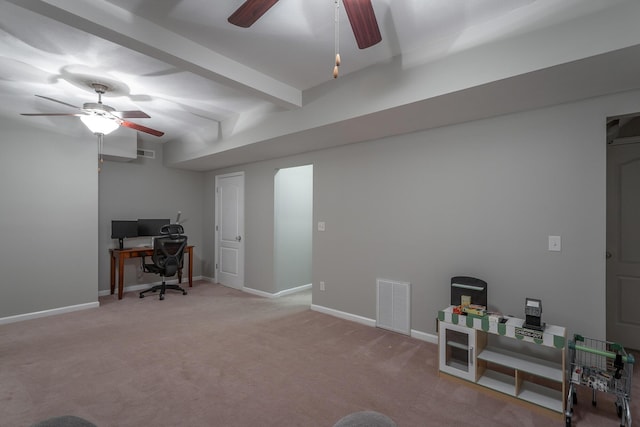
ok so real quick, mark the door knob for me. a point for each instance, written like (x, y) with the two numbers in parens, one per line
(608, 255)
(238, 238)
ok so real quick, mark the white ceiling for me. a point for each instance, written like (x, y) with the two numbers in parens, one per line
(196, 75)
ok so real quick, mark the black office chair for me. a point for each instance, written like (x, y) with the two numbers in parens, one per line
(168, 253)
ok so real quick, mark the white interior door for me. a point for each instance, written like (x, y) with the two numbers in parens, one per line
(623, 244)
(229, 230)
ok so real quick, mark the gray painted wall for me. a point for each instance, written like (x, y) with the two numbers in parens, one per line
(293, 227)
(144, 188)
(48, 219)
(476, 199)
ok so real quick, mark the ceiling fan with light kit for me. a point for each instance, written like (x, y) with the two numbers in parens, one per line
(101, 119)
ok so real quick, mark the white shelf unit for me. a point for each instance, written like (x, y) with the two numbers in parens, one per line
(542, 395)
(515, 374)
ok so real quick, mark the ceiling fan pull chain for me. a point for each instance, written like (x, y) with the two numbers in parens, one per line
(100, 159)
(337, 38)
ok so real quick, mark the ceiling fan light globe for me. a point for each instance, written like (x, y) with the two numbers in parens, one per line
(99, 124)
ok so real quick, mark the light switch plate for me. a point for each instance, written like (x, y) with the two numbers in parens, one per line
(321, 226)
(555, 243)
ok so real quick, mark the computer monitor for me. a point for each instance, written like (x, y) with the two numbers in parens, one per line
(123, 229)
(151, 227)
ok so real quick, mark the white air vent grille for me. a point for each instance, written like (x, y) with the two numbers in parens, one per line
(394, 302)
(149, 154)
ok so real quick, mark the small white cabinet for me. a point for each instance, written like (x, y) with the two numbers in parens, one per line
(457, 352)
(464, 353)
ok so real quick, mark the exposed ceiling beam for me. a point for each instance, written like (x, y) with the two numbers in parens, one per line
(564, 83)
(116, 25)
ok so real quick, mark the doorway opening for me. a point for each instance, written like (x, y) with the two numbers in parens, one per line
(293, 230)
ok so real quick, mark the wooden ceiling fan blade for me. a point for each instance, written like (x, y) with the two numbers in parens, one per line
(363, 22)
(59, 102)
(141, 128)
(51, 114)
(134, 114)
(249, 12)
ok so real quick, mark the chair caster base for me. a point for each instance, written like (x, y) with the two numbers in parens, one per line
(162, 289)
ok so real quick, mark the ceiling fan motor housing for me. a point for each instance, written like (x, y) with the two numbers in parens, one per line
(99, 109)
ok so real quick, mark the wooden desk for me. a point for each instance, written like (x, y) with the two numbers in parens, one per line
(122, 254)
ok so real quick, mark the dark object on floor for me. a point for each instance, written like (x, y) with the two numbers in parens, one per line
(64, 421)
(365, 419)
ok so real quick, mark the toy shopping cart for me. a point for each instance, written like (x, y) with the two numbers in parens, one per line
(603, 366)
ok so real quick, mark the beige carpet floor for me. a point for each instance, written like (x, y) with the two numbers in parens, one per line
(221, 357)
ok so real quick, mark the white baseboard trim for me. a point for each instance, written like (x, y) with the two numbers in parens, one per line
(47, 313)
(423, 336)
(277, 294)
(344, 315)
(143, 286)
